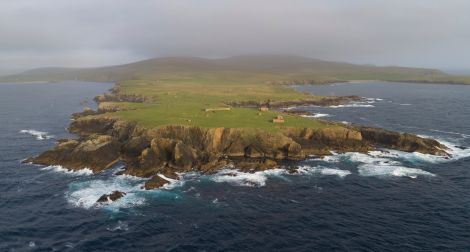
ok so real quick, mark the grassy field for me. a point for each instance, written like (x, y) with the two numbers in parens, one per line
(182, 99)
(181, 88)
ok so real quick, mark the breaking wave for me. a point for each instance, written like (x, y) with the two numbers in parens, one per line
(61, 169)
(323, 171)
(378, 164)
(238, 178)
(317, 115)
(40, 135)
(456, 152)
(380, 170)
(259, 179)
(353, 105)
(84, 194)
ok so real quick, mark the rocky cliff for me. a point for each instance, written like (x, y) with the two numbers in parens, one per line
(169, 150)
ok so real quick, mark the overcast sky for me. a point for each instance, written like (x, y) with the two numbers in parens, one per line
(428, 33)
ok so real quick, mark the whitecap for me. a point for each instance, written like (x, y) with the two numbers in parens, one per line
(383, 164)
(405, 104)
(40, 135)
(85, 194)
(326, 171)
(381, 170)
(61, 169)
(173, 182)
(317, 115)
(353, 105)
(238, 178)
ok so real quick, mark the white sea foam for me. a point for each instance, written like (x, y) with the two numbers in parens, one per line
(353, 105)
(380, 164)
(40, 135)
(326, 171)
(405, 104)
(455, 152)
(173, 182)
(238, 178)
(85, 194)
(317, 115)
(383, 170)
(61, 169)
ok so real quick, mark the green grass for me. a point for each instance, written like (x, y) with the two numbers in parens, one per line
(181, 88)
(181, 100)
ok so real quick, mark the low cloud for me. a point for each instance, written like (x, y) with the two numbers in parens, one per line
(428, 33)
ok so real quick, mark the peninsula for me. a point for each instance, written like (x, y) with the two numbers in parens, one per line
(174, 115)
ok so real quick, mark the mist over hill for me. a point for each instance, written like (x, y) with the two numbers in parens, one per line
(270, 67)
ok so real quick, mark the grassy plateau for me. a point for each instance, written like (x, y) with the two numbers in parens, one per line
(180, 89)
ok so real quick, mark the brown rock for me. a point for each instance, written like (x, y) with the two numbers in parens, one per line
(155, 182)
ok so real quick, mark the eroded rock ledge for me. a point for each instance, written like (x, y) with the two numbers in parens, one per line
(324, 101)
(169, 150)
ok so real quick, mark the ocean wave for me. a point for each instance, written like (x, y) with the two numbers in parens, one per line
(173, 182)
(61, 169)
(317, 115)
(353, 105)
(456, 153)
(383, 170)
(84, 194)
(365, 103)
(238, 178)
(326, 171)
(378, 164)
(40, 135)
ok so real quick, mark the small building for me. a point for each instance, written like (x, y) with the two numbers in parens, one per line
(278, 119)
(263, 109)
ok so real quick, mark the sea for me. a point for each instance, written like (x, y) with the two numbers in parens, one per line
(384, 200)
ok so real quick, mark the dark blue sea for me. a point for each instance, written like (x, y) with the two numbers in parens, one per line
(381, 201)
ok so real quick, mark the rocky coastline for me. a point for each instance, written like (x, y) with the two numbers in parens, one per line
(160, 154)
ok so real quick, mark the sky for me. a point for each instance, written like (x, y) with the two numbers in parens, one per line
(86, 33)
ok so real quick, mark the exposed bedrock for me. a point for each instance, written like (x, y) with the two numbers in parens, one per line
(169, 150)
(107, 198)
(324, 101)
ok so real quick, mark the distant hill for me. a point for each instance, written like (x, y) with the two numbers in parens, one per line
(270, 67)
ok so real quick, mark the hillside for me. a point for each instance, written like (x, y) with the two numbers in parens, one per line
(263, 68)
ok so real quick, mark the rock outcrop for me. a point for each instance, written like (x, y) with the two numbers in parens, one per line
(155, 182)
(107, 198)
(324, 101)
(169, 150)
(96, 152)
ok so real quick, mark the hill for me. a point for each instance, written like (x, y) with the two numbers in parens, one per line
(265, 68)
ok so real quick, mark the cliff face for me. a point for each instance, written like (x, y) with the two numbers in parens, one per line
(170, 149)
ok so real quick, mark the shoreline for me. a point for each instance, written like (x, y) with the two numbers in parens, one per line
(168, 150)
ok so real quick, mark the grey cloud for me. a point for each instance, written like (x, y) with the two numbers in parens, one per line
(429, 33)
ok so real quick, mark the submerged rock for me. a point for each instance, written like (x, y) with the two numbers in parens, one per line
(115, 195)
